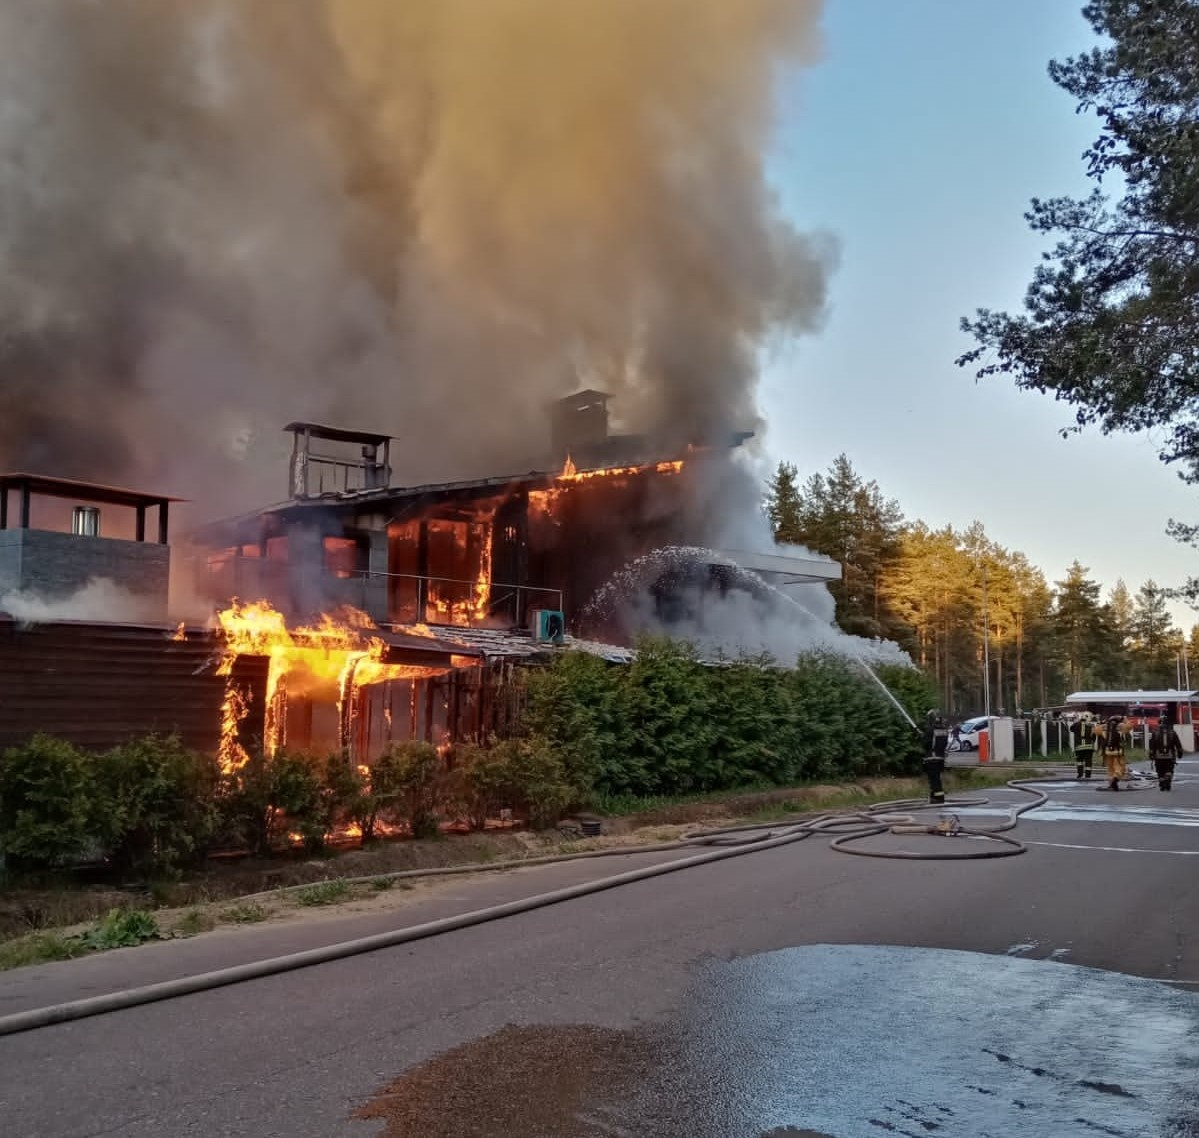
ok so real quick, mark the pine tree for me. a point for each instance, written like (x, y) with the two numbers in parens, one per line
(1079, 624)
(782, 505)
(849, 520)
(1155, 641)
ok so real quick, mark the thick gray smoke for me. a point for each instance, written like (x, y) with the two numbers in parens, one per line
(426, 218)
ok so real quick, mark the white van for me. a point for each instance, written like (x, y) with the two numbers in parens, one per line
(968, 733)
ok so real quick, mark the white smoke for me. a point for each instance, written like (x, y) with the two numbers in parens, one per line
(99, 600)
(753, 616)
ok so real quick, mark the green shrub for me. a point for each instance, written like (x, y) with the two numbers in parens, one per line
(382, 793)
(755, 733)
(665, 699)
(122, 928)
(270, 796)
(538, 781)
(413, 782)
(343, 790)
(481, 780)
(575, 705)
(156, 805)
(47, 816)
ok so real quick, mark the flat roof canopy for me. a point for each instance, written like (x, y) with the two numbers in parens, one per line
(1171, 695)
(788, 567)
(336, 434)
(86, 491)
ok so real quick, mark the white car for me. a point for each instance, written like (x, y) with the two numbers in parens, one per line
(969, 731)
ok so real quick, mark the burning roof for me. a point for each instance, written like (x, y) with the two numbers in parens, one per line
(246, 526)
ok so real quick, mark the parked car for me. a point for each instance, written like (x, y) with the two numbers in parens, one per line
(969, 731)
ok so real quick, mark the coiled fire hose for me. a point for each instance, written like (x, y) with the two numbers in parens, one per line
(730, 841)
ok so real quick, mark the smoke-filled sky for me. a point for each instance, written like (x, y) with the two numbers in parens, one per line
(425, 218)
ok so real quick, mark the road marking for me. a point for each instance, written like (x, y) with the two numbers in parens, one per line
(1112, 849)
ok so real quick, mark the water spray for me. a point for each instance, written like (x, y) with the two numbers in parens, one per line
(860, 662)
(886, 691)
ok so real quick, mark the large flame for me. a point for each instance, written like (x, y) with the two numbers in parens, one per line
(329, 661)
(543, 502)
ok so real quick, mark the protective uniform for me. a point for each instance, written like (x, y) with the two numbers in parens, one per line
(1113, 753)
(1083, 731)
(936, 740)
(1165, 749)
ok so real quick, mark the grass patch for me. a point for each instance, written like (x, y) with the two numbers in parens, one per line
(195, 921)
(41, 948)
(248, 914)
(323, 893)
(618, 805)
(382, 884)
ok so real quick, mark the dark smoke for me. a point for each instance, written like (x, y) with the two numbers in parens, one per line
(427, 218)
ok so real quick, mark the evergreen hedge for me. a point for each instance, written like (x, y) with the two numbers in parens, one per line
(668, 724)
(665, 725)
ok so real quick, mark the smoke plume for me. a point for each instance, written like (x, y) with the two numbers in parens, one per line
(426, 218)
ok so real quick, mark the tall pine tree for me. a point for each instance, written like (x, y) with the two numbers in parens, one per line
(782, 505)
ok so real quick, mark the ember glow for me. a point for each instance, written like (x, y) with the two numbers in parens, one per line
(326, 662)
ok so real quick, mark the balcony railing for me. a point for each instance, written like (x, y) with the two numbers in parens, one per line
(400, 598)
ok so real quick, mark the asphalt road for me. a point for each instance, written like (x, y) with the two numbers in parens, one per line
(793, 991)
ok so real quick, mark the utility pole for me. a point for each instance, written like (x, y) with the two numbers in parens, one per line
(986, 650)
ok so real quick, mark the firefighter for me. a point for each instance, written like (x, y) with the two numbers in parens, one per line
(1113, 752)
(936, 741)
(1165, 749)
(1083, 732)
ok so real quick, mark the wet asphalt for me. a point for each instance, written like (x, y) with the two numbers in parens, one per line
(796, 991)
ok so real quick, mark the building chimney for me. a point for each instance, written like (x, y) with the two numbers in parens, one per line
(85, 521)
(579, 421)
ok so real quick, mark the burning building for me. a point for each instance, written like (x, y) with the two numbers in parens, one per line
(357, 613)
(481, 575)
(488, 553)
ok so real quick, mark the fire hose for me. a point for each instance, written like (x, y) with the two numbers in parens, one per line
(729, 842)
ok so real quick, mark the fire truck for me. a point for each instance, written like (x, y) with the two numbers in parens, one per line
(1142, 710)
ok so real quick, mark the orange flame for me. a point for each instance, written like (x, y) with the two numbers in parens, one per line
(571, 474)
(543, 502)
(230, 753)
(180, 633)
(330, 659)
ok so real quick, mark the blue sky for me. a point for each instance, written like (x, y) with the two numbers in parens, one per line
(918, 142)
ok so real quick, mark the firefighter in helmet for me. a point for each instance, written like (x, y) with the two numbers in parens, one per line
(1083, 732)
(1113, 751)
(936, 740)
(1165, 749)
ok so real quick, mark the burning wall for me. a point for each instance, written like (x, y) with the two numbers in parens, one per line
(463, 554)
(316, 681)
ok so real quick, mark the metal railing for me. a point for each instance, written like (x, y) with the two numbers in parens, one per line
(246, 576)
(501, 595)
